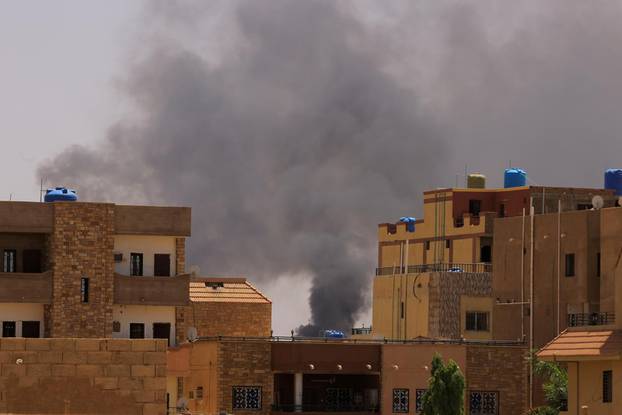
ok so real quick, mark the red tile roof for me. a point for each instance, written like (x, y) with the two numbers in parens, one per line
(225, 290)
(584, 343)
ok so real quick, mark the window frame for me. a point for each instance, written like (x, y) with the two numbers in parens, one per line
(13, 260)
(141, 264)
(6, 326)
(136, 325)
(476, 322)
(399, 394)
(84, 290)
(570, 265)
(245, 389)
(483, 394)
(419, 393)
(156, 270)
(607, 386)
(33, 322)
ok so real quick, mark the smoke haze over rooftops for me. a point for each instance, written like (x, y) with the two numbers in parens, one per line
(292, 128)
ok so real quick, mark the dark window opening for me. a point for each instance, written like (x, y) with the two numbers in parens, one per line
(607, 386)
(136, 264)
(598, 264)
(31, 260)
(10, 260)
(584, 206)
(8, 329)
(485, 254)
(84, 290)
(475, 206)
(162, 331)
(569, 265)
(502, 210)
(162, 265)
(31, 329)
(402, 309)
(199, 394)
(448, 243)
(476, 321)
(137, 331)
(427, 245)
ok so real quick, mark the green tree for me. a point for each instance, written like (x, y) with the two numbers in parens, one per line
(555, 383)
(445, 394)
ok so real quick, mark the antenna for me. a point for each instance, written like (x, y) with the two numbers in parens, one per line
(41, 190)
(598, 202)
(192, 334)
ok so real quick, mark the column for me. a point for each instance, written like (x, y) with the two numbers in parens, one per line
(298, 392)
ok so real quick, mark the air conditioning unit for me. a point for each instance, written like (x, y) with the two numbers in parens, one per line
(118, 257)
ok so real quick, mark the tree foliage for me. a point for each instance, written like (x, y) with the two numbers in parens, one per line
(555, 384)
(445, 394)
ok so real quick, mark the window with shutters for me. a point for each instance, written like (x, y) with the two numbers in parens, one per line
(136, 264)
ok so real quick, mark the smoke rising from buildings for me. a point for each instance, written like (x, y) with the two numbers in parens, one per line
(293, 127)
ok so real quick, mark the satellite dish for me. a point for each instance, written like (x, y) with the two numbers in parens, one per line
(195, 270)
(192, 334)
(620, 201)
(598, 202)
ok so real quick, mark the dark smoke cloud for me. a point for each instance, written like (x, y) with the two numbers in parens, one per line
(290, 146)
(293, 127)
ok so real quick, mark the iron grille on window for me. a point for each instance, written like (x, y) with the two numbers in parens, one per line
(483, 403)
(419, 400)
(247, 397)
(400, 401)
(607, 386)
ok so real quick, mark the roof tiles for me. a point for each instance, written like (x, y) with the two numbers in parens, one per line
(584, 343)
(233, 290)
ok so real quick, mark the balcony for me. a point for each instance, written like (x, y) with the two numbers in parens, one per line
(591, 319)
(163, 291)
(17, 287)
(478, 267)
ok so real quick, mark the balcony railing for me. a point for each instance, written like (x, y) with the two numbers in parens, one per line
(17, 287)
(359, 331)
(152, 290)
(591, 319)
(478, 267)
(360, 409)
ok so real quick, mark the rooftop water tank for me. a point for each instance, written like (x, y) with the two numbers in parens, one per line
(334, 334)
(514, 178)
(476, 181)
(60, 194)
(613, 180)
(410, 223)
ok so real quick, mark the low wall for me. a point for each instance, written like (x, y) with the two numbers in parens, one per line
(83, 376)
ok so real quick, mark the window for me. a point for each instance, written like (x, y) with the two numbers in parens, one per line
(502, 210)
(10, 260)
(584, 206)
(338, 399)
(137, 331)
(598, 264)
(247, 397)
(162, 331)
(84, 290)
(607, 386)
(8, 329)
(199, 393)
(475, 206)
(485, 254)
(400, 401)
(419, 400)
(116, 326)
(180, 388)
(402, 310)
(31, 260)
(162, 265)
(447, 243)
(31, 329)
(483, 403)
(136, 264)
(427, 245)
(569, 265)
(476, 321)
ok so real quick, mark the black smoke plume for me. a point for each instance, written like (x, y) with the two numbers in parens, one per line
(285, 132)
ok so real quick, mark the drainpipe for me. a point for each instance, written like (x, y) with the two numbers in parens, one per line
(298, 392)
(531, 305)
(559, 256)
(522, 280)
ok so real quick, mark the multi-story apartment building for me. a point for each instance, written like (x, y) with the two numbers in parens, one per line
(99, 270)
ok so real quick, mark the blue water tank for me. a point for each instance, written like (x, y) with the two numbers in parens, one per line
(60, 194)
(514, 178)
(613, 180)
(410, 223)
(334, 334)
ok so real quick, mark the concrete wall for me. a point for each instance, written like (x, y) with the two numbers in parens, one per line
(19, 312)
(152, 220)
(225, 319)
(126, 314)
(147, 245)
(86, 376)
(21, 242)
(585, 387)
(413, 370)
(611, 252)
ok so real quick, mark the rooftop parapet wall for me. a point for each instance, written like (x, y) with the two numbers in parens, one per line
(86, 376)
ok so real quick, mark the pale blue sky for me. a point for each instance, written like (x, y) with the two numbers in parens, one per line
(59, 63)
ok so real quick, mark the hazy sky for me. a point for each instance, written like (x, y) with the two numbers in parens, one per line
(485, 82)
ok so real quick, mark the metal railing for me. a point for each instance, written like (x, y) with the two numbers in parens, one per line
(361, 330)
(324, 407)
(590, 319)
(477, 267)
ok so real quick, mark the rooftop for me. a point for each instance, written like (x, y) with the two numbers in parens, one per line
(225, 290)
(584, 343)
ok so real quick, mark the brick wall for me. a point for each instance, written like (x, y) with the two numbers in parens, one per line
(244, 363)
(86, 376)
(180, 256)
(502, 369)
(81, 246)
(445, 291)
(224, 319)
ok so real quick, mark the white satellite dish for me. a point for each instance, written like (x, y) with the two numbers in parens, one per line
(192, 334)
(620, 201)
(598, 202)
(195, 270)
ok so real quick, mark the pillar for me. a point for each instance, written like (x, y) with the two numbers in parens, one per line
(298, 392)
